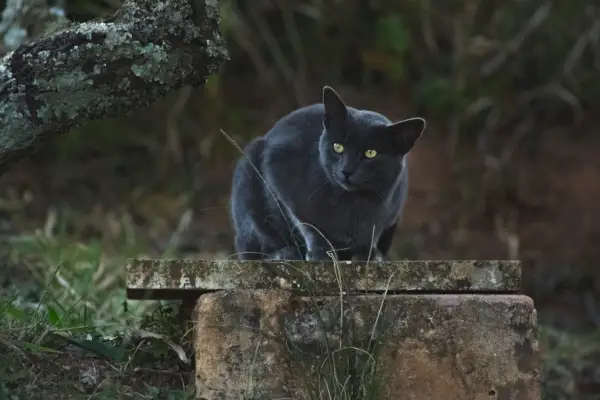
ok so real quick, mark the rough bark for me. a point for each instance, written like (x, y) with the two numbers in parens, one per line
(104, 68)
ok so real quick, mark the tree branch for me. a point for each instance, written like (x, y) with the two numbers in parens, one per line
(104, 68)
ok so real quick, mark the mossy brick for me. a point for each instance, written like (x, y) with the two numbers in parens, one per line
(180, 279)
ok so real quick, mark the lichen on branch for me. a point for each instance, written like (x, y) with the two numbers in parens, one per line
(104, 68)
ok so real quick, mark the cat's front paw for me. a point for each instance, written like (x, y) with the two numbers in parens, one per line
(318, 255)
(286, 254)
(373, 255)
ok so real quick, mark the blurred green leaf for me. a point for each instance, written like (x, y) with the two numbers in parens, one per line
(397, 70)
(53, 317)
(34, 347)
(114, 353)
(435, 93)
(392, 35)
(15, 312)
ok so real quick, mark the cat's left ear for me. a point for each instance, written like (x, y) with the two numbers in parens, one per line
(336, 111)
(407, 132)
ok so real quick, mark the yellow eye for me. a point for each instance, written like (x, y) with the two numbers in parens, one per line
(338, 148)
(370, 153)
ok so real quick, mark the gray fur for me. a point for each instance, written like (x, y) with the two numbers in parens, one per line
(301, 184)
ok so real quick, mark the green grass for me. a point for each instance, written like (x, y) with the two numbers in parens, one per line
(571, 363)
(67, 331)
(350, 368)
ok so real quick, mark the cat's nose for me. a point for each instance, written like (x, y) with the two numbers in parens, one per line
(346, 173)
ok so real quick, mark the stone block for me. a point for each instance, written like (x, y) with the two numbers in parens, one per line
(178, 279)
(273, 344)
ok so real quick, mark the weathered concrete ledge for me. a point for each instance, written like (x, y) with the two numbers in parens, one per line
(271, 344)
(180, 279)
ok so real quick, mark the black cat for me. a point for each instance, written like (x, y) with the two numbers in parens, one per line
(325, 177)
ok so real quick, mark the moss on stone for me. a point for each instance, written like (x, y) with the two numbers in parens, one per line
(199, 276)
(104, 68)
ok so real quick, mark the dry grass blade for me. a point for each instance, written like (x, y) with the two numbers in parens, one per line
(144, 334)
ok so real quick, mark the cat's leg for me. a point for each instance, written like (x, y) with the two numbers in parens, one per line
(316, 246)
(319, 254)
(320, 249)
(386, 239)
(379, 251)
(290, 253)
(366, 254)
(265, 241)
(267, 237)
(248, 247)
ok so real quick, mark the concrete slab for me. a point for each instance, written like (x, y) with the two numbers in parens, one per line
(179, 279)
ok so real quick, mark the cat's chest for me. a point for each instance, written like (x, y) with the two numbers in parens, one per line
(350, 219)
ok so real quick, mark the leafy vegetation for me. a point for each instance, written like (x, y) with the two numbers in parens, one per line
(66, 329)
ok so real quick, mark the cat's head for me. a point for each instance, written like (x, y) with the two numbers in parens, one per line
(363, 150)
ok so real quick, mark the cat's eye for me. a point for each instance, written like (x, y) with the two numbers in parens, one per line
(338, 148)
(370, 153)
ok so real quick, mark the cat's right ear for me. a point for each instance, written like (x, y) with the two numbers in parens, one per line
(406, 133)
(335, 109)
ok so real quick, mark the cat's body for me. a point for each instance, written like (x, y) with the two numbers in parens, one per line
(304, 206)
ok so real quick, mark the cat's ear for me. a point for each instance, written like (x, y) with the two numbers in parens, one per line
(335, 109)
(406, 133)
